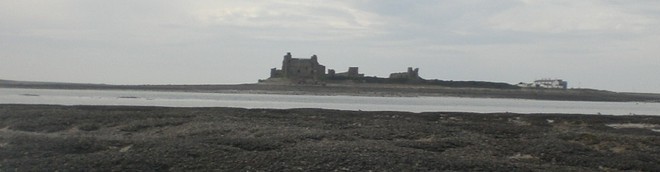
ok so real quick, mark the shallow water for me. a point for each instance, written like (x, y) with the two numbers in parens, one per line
(411, 104)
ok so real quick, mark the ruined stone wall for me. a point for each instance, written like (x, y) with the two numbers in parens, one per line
(275, 73)
(411, 74)
(353, 72)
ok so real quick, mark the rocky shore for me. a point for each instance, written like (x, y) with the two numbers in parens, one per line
(120, 138)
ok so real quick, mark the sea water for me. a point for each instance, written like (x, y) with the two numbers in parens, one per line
(277, 101)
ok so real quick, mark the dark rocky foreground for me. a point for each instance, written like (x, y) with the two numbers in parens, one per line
(81, 138)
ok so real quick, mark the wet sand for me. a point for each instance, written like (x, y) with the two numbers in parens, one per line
(119, 138)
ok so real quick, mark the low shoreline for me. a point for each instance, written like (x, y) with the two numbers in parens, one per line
(49, 137)
(379, 90)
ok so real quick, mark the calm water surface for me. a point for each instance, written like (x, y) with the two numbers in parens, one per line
(412, 104)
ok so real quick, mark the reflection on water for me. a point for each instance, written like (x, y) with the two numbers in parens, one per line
(412, 104)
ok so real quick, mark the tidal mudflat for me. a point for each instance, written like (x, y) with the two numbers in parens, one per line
(79, 138)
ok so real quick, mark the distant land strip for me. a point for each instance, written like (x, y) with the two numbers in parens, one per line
(362, 90)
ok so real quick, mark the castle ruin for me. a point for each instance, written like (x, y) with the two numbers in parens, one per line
(310, 71)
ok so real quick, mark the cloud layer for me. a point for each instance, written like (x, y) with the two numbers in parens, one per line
(591, 43)
(562, 16)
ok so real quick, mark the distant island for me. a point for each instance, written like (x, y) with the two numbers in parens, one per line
(300, 71)
(308, 76)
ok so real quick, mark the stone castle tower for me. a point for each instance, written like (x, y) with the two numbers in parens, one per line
(299, 69)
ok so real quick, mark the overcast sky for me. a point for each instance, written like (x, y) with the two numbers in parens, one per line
(602, 44)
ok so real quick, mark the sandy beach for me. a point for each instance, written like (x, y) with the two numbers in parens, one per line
(119, 138)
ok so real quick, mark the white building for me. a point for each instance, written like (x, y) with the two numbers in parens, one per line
(546, 83)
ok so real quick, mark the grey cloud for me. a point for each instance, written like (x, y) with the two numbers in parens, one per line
(154, 41)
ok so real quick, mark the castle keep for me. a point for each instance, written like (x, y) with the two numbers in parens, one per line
(300, 69)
